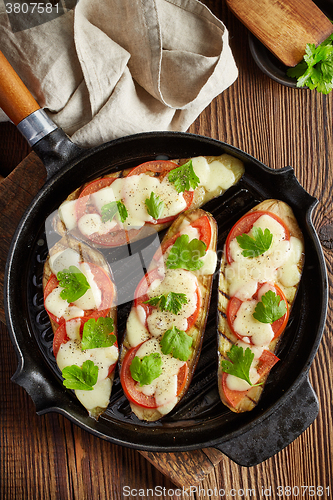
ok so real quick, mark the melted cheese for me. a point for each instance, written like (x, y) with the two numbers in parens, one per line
(177, 281)
(288, 273)
(217, 175)
(246, 325)
(136, 332)
(63, 259)
(164, 387)
(99, 397)
(209, 263)
(92, 298)
(72, 354)
(67, 214)
(60, 307)
(262, 268)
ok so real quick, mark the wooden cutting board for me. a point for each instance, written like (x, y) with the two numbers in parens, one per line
(17, 190)
(283, 26)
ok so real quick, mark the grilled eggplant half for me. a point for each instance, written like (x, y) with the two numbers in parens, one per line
(166, 324)
(80, 299)
(129, 205)
(259, 276)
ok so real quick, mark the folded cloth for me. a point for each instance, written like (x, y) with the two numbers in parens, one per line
(110, 68)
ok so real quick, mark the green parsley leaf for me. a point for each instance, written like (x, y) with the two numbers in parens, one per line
(155, 206)
(316, 69)
(184, 178)
(270, 309)
(185, 254)
(83, 378)
(177, 343)
(73, 282)
(170, 301)
(239, 363)
(110, 210)
(96, 333)
(148, 368)
(257, 244)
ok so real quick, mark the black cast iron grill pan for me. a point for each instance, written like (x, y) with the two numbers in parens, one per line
(288, 405)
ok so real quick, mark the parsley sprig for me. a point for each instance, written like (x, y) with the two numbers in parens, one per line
(184, 178)
(316, 69)
(257, 244)
(110, 210)
(73, 282)
(98, 333)
(145, 370)
(177, 343)
(82, 378)
(155, 206)
(170, 301)
(185, 254)
(239, 363)
(271, 308)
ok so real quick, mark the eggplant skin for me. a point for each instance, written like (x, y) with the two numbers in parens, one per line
(226, 338)
(198, 329)
(200, 197)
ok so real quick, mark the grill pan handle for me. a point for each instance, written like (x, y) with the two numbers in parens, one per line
(49, 142)
(276, 431)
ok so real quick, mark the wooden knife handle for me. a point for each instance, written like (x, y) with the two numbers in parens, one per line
(15, 99)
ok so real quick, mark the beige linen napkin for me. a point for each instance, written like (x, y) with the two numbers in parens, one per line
(111, 68)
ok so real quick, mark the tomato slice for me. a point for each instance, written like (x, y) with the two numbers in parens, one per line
(266, 362)
(104, 283)
(60, 337)
(245, 224)
(155, 166)
(234, 304)
(130, 386)
(205, 234)
(141, 296)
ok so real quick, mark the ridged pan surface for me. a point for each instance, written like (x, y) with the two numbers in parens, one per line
(200, 419)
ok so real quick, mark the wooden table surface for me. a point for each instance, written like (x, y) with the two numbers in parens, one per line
(47, 457)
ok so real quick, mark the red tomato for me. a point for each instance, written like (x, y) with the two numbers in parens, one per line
(234, 304)
(245, 224)
(155, 166)
(61, 337)
(266, 362)
(140, 297)
(104, 283)
(130, 386)
(205, 234)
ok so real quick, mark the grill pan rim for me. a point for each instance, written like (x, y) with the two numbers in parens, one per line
(129, 141)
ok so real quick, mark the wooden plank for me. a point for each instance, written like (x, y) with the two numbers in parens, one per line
(284, 27)
(17, 190)
(185, 469)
